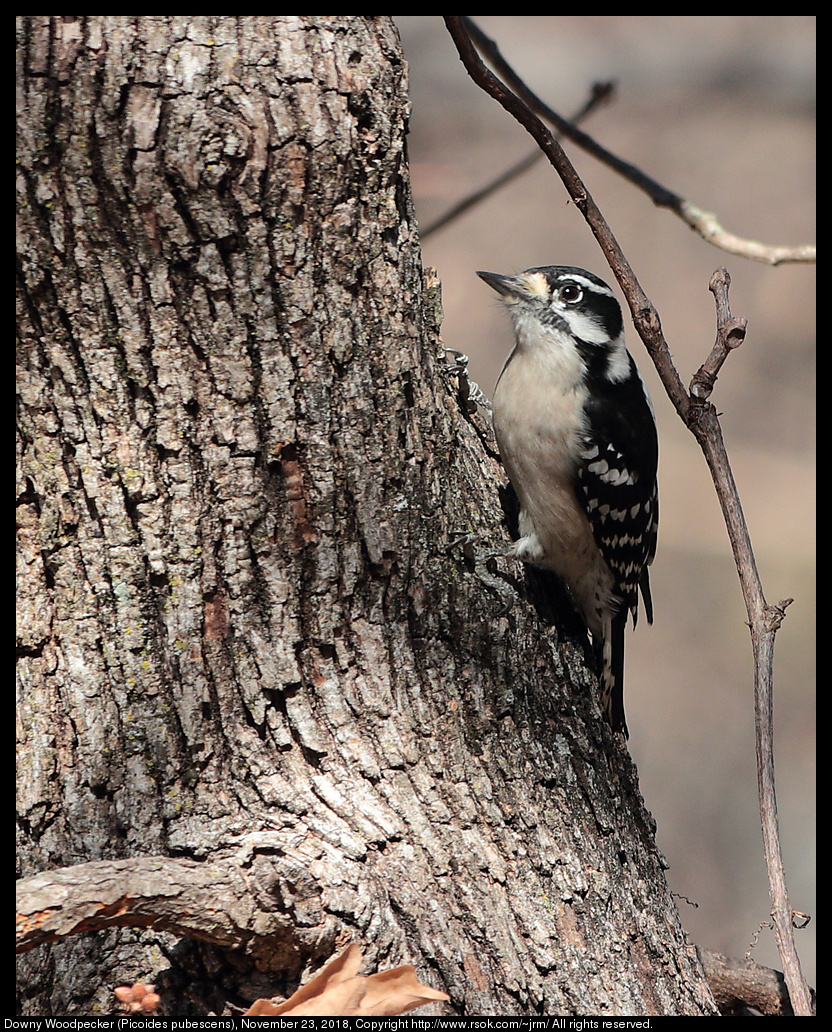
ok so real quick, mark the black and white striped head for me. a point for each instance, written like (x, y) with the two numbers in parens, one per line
(563, 304)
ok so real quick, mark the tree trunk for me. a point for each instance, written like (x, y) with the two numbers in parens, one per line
(243, 639)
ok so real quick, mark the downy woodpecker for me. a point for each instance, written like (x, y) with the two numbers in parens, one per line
(577, 436)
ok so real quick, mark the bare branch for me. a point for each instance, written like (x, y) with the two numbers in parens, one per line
(702, 222)
(764, 621)
(468, 202)
(701, 418)
(706, 224)
(600, 94)
(220, 903)
(740, 983)
(730, 334)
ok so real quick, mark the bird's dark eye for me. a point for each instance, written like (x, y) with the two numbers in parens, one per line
(571, 292)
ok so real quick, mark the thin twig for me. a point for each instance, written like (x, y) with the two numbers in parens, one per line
(729, 335)
(701, 418)
(600, 94)
(703, 222)
(476, 196)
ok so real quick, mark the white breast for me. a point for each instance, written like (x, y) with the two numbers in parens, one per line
(538, 422)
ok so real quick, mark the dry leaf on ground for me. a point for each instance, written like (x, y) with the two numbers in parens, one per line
(338, 990)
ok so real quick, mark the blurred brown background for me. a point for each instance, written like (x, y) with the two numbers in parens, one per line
(721, 110)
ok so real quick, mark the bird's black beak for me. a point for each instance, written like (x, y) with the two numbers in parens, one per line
(505, 285)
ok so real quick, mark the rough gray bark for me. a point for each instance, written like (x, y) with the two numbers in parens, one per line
(242, 637)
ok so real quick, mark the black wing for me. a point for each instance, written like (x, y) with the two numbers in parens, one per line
(616, 481)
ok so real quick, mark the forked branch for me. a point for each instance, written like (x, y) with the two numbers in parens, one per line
(705, 223)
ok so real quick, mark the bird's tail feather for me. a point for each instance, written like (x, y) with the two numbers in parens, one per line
(612, 698)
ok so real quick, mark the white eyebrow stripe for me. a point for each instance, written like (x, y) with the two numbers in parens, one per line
(572, 277)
